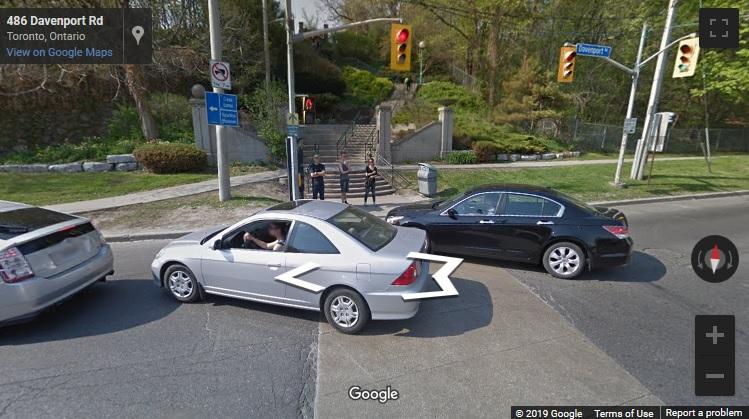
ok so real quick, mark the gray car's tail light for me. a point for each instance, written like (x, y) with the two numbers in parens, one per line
(621, 232)
(408, 276)
(13, 266)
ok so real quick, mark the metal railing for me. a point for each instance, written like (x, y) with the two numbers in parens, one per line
(343, 139)
(393, 176)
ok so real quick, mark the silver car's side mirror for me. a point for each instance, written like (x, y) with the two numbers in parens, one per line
(218, 245)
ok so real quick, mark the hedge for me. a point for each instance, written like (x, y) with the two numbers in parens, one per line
(171, 157)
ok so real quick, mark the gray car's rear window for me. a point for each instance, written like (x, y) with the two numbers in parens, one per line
(16, 222)
(364, 227)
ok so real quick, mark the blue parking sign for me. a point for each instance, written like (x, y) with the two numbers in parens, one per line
(221, 109)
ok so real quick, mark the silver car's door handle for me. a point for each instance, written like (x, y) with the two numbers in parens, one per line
(486, 222)
(274, 266)
(541, 223)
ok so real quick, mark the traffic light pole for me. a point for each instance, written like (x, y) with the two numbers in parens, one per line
(630, 106)
(224, 185)
(641, 152)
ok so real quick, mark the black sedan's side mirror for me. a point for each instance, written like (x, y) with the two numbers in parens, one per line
(218, 245)
(452, 213)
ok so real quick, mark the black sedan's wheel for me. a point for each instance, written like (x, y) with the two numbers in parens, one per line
(346, 310)
(181, 283)
(564, 260)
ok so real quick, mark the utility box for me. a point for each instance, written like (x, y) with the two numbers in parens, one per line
(427, 178)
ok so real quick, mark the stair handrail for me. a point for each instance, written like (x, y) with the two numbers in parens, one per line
(391, 174)
(343, 139)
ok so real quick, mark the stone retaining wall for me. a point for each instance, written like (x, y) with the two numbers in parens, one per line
(115, 162)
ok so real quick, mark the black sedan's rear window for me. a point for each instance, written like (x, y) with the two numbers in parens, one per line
(16, 222)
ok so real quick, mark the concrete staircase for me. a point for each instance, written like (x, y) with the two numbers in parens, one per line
(324, 141)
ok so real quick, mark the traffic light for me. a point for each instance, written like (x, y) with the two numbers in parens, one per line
(308, 110)
(686, 58)
(566, 72)
(400, 47)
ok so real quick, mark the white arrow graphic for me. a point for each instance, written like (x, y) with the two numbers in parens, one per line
(213, 108)
(442, 276)
(290, 277)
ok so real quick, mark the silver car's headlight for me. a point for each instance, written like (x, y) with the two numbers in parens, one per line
(394, 219)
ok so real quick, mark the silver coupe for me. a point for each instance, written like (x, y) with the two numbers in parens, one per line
(364, 270)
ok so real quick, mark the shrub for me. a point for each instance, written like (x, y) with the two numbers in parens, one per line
(462, 157)
(367, 88)
(170, 157)
(485, 151)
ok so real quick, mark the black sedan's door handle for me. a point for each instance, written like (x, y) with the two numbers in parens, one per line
(542, 222)
(486, 222)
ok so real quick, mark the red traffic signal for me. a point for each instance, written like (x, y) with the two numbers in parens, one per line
(402, 35)
(309, 104)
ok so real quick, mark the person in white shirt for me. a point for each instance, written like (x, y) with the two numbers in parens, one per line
(274, 229)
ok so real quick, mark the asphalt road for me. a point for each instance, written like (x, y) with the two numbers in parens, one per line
(124, 348)
(642, 315)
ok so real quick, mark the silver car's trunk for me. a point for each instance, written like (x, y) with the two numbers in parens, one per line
(407, 240)
(57, 252)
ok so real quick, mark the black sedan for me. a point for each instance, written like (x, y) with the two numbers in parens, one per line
(525, 224)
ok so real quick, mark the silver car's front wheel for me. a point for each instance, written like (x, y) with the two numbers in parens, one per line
(346, 310)
(181, 283)
(564, 260)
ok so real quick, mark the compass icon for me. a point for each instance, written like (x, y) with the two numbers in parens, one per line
(715, 259)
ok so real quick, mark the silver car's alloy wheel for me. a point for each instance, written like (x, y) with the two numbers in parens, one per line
(564, 260)
(345, 312)
(180, 284)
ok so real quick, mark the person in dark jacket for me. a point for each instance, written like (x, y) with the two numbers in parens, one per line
(317, 175)
(344, 168)
(371, 178)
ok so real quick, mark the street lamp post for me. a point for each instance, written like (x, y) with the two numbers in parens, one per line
(422, 47)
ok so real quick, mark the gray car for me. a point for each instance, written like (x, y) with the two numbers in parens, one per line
(46, 257)
(364, 270)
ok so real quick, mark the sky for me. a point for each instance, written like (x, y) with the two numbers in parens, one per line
(311, 7)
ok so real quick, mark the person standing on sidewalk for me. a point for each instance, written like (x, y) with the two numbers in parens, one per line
(343, 169)
(317, 173)
(371, 178)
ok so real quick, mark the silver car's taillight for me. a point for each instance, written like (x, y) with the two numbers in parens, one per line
(13, 266)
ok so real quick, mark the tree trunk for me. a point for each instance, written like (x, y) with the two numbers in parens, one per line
(493, 52)
(136, 86)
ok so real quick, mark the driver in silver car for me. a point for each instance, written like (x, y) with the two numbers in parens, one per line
(274, 229)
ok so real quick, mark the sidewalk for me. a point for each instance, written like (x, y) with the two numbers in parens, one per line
(537, 163)
(161, 194)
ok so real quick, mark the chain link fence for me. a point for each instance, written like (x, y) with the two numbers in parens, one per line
(592, 137)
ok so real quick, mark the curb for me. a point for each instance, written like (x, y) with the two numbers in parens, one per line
(145, 236)
(177, 234)
(673, 198)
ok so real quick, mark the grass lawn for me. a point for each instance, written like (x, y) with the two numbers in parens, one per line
(57, 188)
(591, 182)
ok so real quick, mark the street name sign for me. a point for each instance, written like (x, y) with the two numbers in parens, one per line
(593, 50)
(220, 75)
(221, 109)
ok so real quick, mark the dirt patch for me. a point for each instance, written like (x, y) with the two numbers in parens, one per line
(188, 213)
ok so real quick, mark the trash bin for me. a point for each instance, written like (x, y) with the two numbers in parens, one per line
(427, 176)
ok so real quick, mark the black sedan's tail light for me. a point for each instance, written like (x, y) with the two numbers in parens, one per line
(621, 232)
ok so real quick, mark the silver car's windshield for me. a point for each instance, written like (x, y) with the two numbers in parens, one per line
(364, 227)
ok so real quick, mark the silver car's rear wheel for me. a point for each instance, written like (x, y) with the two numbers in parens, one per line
(346, 310)
(564, 260)
(181, 283)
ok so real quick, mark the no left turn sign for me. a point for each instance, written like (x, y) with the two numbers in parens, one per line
(220, 75)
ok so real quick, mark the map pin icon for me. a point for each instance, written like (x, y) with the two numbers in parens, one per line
(137, 34)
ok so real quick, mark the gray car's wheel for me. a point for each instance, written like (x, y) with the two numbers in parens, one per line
(564, 260)
(181, 283)
(346, 310)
